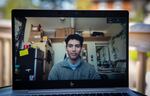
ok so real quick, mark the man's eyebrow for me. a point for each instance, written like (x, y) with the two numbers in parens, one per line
(73, 44)
(69, 44)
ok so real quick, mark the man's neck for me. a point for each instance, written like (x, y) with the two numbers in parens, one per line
(74, 61)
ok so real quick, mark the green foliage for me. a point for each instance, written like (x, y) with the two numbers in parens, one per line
(148, 54)
(133, 55)
(139, 16)
(16, 4)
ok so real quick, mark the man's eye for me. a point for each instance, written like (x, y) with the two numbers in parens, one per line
(70, 45)
(77, 46)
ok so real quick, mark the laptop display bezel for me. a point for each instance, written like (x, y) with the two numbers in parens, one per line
(67, 83)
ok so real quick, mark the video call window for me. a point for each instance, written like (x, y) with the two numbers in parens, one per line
(40, 45)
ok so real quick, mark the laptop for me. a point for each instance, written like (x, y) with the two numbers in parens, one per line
(39, 44)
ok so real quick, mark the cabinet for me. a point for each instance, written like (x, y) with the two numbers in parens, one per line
(35, 36)
(30, 65)
(48, 57)
(63, 32)
(36, 33)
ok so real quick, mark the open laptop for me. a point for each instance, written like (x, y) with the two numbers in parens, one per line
(38, 44)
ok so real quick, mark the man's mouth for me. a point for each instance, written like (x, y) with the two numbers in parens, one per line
(73, 54)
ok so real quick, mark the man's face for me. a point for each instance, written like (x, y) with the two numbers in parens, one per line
(73, 49)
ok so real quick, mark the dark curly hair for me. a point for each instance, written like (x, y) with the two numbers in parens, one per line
(76, 37)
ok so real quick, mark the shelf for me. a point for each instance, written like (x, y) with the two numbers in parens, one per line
(61, 39)
(57, 39)
(96, 38)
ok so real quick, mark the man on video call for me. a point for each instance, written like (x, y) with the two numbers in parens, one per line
(73, 67)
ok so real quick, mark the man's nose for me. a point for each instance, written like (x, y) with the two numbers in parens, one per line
(73, 48)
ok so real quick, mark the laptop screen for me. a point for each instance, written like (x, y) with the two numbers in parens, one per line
(61, 49)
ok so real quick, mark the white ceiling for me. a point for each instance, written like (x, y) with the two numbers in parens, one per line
(97, 24)
(80, 24)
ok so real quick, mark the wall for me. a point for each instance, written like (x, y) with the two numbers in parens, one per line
(91, 52)
(59, 51)
(27, 30)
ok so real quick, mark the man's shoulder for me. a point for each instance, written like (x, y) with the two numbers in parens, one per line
(59, 64)
(87, 64)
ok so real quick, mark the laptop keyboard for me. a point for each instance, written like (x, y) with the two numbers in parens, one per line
(89, 94)
(99, 94)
